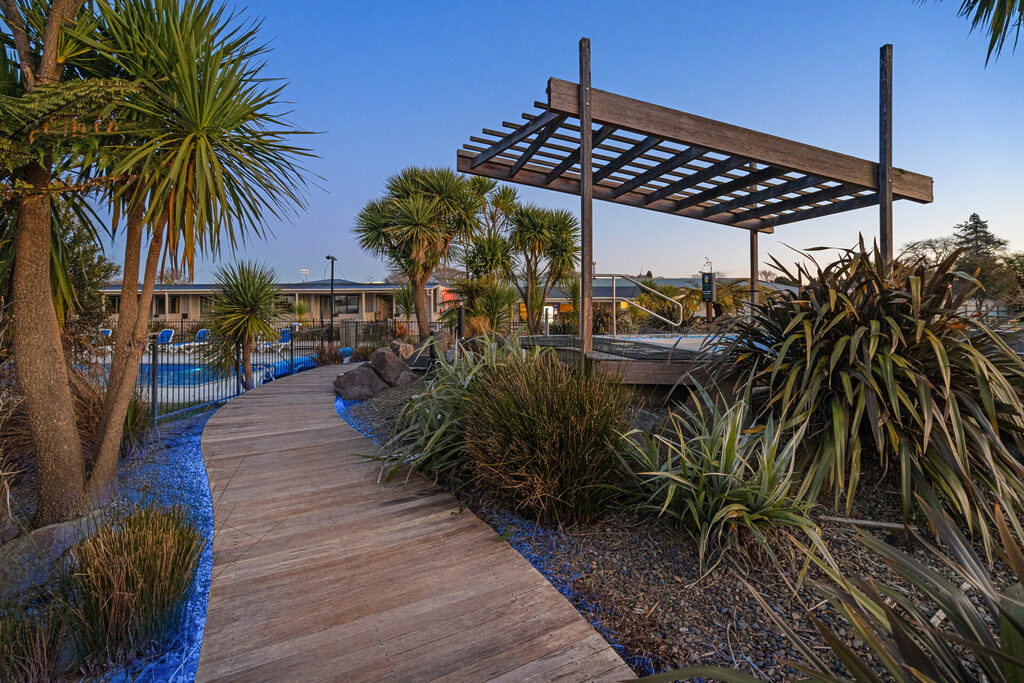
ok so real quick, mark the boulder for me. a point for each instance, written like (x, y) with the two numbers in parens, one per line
(359, 384)
(37, 557)
(389, 366)
(401, 349)
(406, 377)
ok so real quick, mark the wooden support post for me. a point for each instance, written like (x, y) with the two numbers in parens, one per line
(885, 237)
(754, 261)
(586, 208)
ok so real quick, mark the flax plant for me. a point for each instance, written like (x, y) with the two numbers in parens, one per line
(877, 365)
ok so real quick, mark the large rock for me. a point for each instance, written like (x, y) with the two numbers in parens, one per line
(37, 557)
(401, 349)
(406, 377)
(389, 366)
(359, 384)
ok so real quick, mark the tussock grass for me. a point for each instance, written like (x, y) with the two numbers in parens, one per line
(546, 435)
(132, 580)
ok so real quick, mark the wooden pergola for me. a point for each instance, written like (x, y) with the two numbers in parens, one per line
(652, 157)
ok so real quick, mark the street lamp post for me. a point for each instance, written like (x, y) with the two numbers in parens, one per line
(332, 260)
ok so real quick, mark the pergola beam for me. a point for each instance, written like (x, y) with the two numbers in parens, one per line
(689, 129)
(670, 164)
(521, 133)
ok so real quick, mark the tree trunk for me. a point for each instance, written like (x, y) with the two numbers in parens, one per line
(247, 364)
(40, 363)
(420, 304)
(129, 345)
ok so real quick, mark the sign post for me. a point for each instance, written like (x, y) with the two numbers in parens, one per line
(708, 294)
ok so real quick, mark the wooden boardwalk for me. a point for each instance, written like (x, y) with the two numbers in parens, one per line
(321, 574)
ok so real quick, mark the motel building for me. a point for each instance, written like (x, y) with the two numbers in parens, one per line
(355, 301)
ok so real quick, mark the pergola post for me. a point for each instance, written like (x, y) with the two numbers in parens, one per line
(586, 208)
(755, 285)
(885, 237)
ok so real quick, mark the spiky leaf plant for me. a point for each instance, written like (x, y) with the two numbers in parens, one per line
(723, 480)
(878, 365)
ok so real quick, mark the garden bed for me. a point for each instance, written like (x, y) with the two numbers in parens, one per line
(639, 584)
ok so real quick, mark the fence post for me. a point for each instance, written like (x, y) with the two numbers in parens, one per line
(291, 351)
(460, 323)
(154, 359)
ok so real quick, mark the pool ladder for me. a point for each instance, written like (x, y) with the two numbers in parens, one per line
(660, 295)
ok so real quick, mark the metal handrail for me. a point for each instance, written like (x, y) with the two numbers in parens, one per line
(661, 295)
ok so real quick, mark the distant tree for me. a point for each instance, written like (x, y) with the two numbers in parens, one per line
(976, 240)
(88, 272)
(173, 275)
(931, 251)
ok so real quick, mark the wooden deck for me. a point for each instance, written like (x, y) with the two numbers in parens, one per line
(321, 574)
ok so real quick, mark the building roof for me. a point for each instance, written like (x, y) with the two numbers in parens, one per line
(313, 286)
(627, 290)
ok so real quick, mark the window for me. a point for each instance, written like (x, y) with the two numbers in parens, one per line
(112, 303)
(343, 304)
(164, 305)
(205, 304)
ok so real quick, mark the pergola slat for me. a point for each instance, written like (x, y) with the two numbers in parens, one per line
(689, 129)
(772, 192)
(642, 147)
(752, 178)
(670, 164)
(597, 137)
(712, 171)
(538, 141)
(827, 193)
(512, 138)
(826, 210)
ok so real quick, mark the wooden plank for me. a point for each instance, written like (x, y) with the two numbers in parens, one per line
(826, 210)
(885, 171)
(729, 187)
(670, 164)
(586, 204)
(755, 262)
(713, 171)
(596, 139)
(651, 119)
(642, 147)
(499, 170)
(538, 141)
(525, 131)
(771, 192)
(822, 195)
(320, 573)
(652, 372)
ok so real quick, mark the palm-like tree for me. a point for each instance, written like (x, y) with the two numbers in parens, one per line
(245, 309)
(208, 155)
(545, 250)
(405, 301)
(997, 18)
(424, 212)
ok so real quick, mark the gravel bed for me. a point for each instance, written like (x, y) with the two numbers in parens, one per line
(638, 581)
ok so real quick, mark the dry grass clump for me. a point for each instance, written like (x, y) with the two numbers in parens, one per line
(132, 579)
(88, 391)
(31, 641)
(363, 352)
(546, 435)
(329, 353)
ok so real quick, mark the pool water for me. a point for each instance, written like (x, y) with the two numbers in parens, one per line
(191, 374)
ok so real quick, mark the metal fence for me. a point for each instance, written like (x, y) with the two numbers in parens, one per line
(186, 367)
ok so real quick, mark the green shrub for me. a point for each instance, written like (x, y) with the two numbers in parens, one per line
(429, 433)
(880, 364)
(722, 480)
(131, 581)
(545, 435)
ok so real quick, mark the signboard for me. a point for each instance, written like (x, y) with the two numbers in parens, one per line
(708, 290)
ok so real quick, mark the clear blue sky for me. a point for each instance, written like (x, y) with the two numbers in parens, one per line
(393, 84)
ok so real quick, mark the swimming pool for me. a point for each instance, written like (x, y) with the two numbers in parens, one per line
(192, 374)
